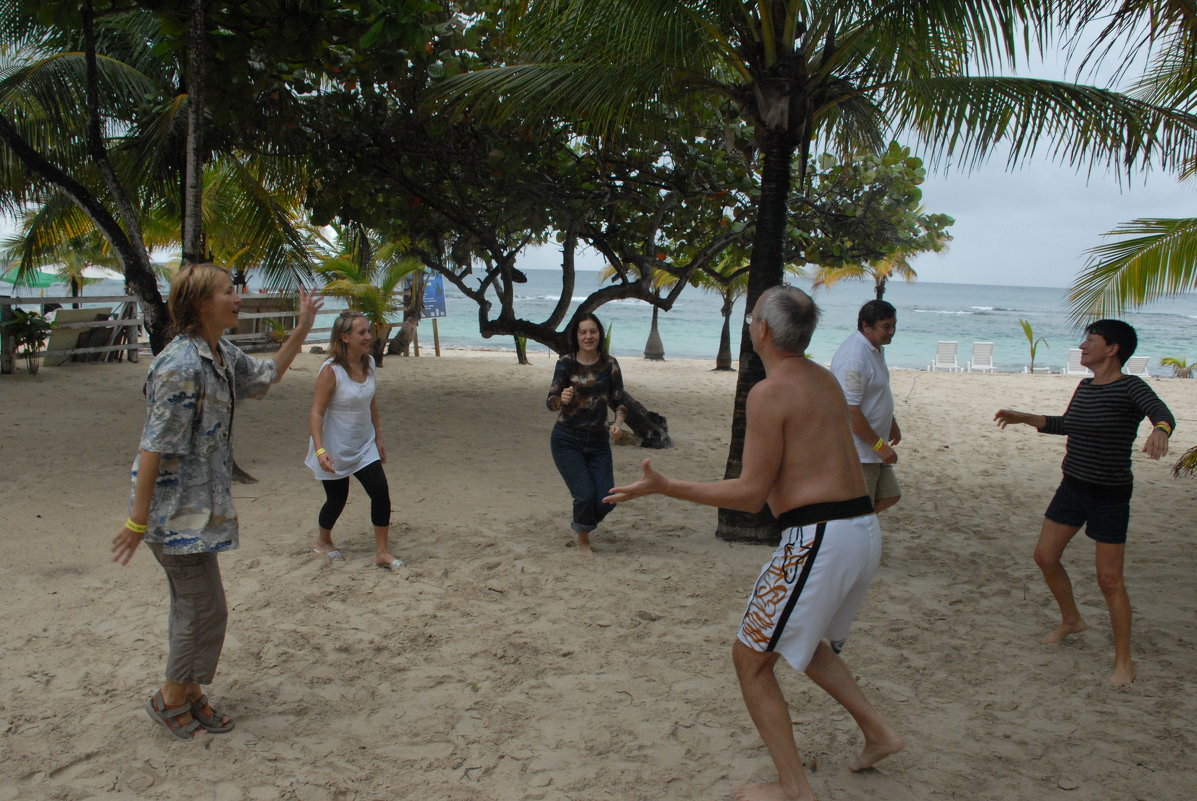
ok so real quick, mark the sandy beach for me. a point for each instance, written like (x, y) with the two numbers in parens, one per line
(500, 666)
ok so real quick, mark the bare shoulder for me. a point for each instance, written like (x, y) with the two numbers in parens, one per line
(798, 376)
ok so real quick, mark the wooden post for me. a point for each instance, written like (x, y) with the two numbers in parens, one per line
(8, 343)
(415, 341)
(436, 338)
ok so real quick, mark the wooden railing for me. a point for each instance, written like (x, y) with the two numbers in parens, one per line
(124, 322)
(121, 323)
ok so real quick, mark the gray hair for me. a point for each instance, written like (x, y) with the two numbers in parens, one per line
(791, 316)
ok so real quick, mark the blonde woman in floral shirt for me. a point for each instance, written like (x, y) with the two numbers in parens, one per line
(181, 504)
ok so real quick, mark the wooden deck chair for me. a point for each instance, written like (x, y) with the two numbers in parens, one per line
(1074, 366)
(982, 359)
(945, 358)
(1137, 365)
(62, 338)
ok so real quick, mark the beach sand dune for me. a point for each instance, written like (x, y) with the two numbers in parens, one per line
(499, 666)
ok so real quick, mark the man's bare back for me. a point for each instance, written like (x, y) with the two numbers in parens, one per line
(819, 462)
(798, 452)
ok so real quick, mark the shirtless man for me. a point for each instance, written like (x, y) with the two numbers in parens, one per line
(799, 457)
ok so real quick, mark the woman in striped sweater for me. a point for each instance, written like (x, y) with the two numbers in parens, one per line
(1100, 424)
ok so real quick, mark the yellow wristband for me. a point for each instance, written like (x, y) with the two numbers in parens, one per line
(320, 451)
(879, 444)
(1167, 429)
(136, 528)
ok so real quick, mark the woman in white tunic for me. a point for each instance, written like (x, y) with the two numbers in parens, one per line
(347, 436)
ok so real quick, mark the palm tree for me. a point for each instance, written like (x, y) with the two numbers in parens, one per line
(730, 280)
(1180, 366)
(121, 169)
(654, 347)
(368, 272)
(1155, 257)
(840, 72)
(896, 265)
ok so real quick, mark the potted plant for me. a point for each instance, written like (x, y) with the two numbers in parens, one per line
(29, 331)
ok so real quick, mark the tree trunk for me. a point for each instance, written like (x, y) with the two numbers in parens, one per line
(723, 359)
(193, 173)
(129, 247)
(651, 428)
(654, 348)
(765, 271)
(521, 350)
(881, 288)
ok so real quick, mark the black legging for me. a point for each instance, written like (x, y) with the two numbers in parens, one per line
(336, 492)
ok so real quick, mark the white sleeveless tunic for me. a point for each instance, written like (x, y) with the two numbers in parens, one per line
(348, 427)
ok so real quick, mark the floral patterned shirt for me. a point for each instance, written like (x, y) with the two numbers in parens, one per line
(189, 416)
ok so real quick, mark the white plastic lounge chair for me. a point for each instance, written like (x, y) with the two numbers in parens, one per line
(982, 360)
(1137, 365)
(1074, 366)
(945, 358)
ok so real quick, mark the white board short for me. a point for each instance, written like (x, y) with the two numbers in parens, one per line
(812, 587)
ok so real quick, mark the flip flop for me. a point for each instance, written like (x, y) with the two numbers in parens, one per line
(394, 565)
(335, 553)
(168, 716)
(215, 722)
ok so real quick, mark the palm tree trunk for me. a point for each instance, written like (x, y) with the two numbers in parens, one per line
(765, 271)
(193, 173)
(723, 360)
(654, 348)
(881, 281)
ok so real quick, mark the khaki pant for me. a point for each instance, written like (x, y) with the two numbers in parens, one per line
(198, 615)
(880, 481)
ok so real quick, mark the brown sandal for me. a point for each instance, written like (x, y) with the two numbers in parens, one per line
(168, 716)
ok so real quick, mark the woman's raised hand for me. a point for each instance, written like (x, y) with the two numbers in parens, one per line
(309, 305)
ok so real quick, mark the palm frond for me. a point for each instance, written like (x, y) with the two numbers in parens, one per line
(1186, 465)
(967, 117)
(1158, 259)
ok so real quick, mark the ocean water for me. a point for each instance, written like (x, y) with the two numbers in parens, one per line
(927, 313)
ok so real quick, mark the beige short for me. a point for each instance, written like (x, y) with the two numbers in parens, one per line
(880, 481)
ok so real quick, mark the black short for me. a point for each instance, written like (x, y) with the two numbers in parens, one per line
(1105, 519)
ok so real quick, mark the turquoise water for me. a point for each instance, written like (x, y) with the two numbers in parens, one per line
(927, 313)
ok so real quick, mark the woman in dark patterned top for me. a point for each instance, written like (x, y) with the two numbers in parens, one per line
(586, 382)
(1101, 422)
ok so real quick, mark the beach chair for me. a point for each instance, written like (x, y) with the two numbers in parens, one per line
(68, 338)
(1074, 366)
(982, 359)
(1137, 365)
(945, 358)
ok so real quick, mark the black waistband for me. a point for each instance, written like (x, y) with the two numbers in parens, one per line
(1107, 493)
(821, 512)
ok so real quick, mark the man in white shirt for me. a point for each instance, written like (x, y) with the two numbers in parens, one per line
(860, 367)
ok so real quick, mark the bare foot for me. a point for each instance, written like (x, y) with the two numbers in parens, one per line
(385, 558)
(1063, 630)
(768, 791)
(1123, 675)
(877, 750)
(584, 545)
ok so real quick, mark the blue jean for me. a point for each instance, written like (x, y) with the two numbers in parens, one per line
(584, 460)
